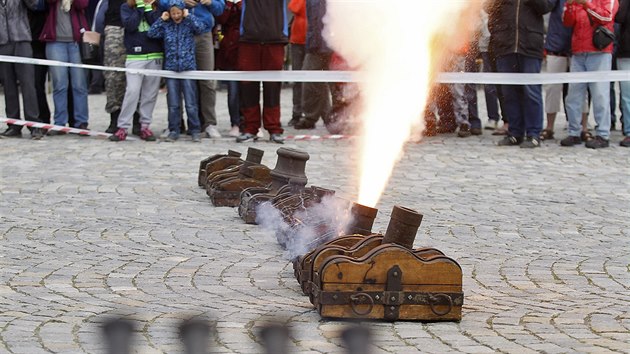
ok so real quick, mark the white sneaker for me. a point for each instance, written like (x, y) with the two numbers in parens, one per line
(235, 131)
(260, 134)
(213, 132)
(165, 133)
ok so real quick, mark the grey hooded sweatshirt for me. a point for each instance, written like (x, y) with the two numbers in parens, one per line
(14, 25)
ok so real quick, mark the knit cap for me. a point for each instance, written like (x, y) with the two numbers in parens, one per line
(176, 3)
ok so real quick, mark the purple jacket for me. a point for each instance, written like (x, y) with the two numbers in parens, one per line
(77, 15)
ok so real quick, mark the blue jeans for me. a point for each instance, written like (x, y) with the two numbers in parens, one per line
(233, 104)
(490, 91)
(175, 89)
(523, 104)
(600, 94)
(68, 52)
(624, 96)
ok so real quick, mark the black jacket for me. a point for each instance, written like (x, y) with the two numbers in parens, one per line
(264, 21)
(623, 18)
(516, 26)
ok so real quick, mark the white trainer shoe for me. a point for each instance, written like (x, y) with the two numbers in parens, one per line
(235, 131)
(213, 132)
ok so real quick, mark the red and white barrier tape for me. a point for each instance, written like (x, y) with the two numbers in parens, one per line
(318, 137)
(58, 128)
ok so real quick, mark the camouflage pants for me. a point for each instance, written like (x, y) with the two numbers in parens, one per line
(115, 83)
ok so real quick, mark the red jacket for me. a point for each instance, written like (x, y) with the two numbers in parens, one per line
(298, 28)
(77, 17)
(600, 12)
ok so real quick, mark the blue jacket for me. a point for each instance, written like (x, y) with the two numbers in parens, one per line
(137, 21)
(179, 42)
(315, 12)
(205, 13)
(558, 36)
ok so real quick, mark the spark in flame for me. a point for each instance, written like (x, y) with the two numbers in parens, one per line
(397, 48)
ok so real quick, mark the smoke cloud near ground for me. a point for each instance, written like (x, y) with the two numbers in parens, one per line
(308, 227)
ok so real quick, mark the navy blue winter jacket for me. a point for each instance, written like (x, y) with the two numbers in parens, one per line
(315, 12)
(205, 13)
(558, 36)
(179, 41)
(137, 21)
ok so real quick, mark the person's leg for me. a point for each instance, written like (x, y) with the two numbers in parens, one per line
(204, 52)
(58, 51)
(315, 95)
(624, 96)
(297, 61)
(272, 59)
(575, 97)
(460, 105)
(41, 73)
(189, 89)
(79, 87)
(233, 103)
(470, 93)
(174, 99)
(490, 92)
(553, 93)
(600, 93)
(149, 91)
(11, 90)
(26, 76)
(132, 95)
(249, 93)
(532, 102)
(512, 95)
(114, 56)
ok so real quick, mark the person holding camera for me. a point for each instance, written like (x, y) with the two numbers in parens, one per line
(591, 46)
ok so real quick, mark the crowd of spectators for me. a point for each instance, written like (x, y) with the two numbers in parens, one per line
(247, 35)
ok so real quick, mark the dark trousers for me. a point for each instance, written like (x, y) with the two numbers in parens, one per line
(470, 91)
(316, 95)
(297, 62)
(523, 103)
(252, 57)
(24, 73)
(490, 91)
(41, 72)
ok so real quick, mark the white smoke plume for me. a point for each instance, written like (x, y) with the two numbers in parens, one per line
(309, 227)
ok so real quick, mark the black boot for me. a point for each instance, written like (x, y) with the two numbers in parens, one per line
(135, 129)
(113, 122)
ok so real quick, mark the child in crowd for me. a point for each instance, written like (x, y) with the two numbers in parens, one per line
(177, 27)
(142, 53)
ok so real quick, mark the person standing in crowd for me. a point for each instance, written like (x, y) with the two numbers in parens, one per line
(516, 37)
(114, 56)
(204, 11)
(227, 57)
(460, 101)
(584, 17)
(623, 63)
(142, 53)
(264, 33)
(62, 34)
(489, 90)
(37, 18)
(297, 41)
(315, 95)
(15, 40)
(558, 48)
(178, 29)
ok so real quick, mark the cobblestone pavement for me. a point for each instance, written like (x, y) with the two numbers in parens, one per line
(91, 229)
